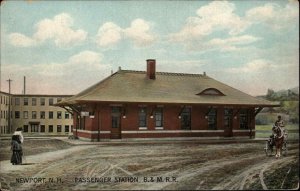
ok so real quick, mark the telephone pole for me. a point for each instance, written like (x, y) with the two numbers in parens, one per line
(9, 102)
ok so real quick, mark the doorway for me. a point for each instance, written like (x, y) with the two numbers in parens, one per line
(186, 119)
(115, 123)
(34, 128)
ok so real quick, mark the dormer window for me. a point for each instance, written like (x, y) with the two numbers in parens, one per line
(211, 91)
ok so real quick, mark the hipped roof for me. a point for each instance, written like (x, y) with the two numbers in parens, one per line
(134, 87)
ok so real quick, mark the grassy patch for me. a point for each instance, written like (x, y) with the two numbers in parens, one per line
(267, 131)
(256, 185)
(269, 127)
(285, 177)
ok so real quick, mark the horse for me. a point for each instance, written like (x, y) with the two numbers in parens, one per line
(278, 139)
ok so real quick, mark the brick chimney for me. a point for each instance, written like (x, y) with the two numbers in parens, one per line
(151, 69)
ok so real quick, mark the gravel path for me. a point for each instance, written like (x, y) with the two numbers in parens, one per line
(194, 166)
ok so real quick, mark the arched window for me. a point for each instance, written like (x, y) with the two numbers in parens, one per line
(211, 91)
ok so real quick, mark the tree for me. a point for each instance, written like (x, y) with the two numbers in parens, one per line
(270, 94)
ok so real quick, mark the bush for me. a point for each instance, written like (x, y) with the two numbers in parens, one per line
(265, 118)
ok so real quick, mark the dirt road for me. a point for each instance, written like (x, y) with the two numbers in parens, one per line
(180, 166)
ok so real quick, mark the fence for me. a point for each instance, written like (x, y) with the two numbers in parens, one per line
(292, 134)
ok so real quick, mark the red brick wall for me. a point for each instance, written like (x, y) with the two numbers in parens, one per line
(170, 121)
(163, 135)
(83, 134)
(89, 123)
(105, 117)
(150, 121)
(131, 121)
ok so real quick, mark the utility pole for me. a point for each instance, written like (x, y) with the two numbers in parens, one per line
(9, 102)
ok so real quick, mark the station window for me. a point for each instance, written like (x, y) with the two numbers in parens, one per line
(143, 117)
(212, 119)
(159, 117)
(243, 119)
(186, 118)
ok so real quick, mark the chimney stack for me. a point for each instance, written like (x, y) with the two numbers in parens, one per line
(151, 69)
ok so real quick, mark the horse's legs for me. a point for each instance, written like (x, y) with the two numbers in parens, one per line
(278, 144)
(278, 151)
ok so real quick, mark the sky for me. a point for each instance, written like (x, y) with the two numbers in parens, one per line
(63, 47)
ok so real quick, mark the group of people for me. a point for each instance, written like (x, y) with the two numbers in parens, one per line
(16, 147)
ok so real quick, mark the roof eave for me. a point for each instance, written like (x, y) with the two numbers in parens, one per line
(182, 103)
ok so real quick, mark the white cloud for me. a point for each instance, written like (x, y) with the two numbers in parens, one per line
(20, 40)
(232, 43)
(49, 69)
(253, 66)
(261, 13)
(85, 61)
(139, 32)
(274, 16)
(86, 57)
(217, 15)
(261, 74)
(109, 34)
(235, 43)
(245, 39)
(75, 74)
(59, 29)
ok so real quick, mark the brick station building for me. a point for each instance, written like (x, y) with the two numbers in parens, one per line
(150, 104)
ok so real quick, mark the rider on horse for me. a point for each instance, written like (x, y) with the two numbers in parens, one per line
(278, 123)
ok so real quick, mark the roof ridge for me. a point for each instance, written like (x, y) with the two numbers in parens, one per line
(164, 73)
